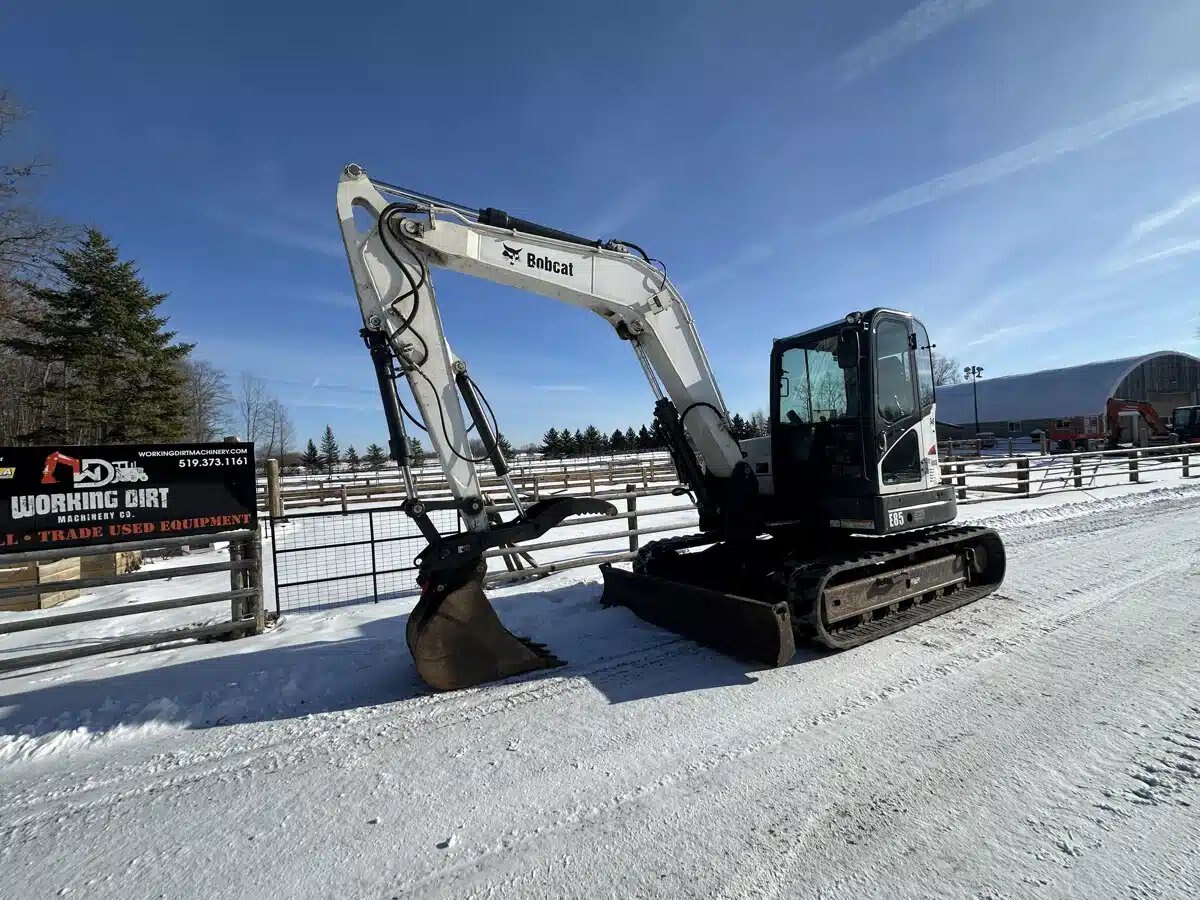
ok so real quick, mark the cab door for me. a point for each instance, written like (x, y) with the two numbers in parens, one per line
(904, 429)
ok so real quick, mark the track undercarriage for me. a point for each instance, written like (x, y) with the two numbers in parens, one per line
(754, 599)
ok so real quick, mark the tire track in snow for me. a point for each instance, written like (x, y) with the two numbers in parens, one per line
(437, 711)
(447, 711)
(1081, 603)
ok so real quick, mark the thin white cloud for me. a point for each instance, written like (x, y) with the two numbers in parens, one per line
(622, 211)
(1162, 218)
(1044, 149)
(1024, 329)
(295, 235)
(749, 255)
(920, 23)
(1186, 248)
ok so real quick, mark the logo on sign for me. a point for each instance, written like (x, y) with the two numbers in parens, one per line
(91, 473)
(512, 254)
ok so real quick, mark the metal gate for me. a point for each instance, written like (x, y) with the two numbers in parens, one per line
(329, 559)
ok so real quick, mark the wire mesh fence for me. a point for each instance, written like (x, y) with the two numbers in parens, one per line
(324, 560)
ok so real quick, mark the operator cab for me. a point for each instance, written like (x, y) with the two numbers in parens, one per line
(853, 441)
(1185, 422)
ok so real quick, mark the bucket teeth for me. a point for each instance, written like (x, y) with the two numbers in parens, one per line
(457, 640)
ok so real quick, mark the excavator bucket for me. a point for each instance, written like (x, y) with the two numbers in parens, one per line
(455, 637)
(457, 641)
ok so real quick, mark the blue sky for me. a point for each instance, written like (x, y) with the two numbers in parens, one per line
(1020, 174)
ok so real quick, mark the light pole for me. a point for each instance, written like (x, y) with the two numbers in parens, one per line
(974, 373)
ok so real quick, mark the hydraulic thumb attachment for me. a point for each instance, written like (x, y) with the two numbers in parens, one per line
(455, 637)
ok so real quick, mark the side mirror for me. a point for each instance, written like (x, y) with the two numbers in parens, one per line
(848, 349)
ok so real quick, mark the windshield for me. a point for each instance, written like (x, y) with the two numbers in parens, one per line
(812, 388)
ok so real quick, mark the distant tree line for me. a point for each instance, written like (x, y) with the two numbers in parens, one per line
(591, 441)
(327, 456)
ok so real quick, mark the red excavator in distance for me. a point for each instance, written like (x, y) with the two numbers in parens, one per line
(1148, 413)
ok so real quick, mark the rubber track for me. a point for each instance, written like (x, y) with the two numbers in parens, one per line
(809, 577)
(817, 574)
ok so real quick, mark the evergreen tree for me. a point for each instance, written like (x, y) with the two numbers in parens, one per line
(352, 459)
(581, 444)
(566, 443)
(311, 459)
(738, 427)
(645, 440)
(375, 457)
(329, 450)
(631, 439)
(506, 449)
(552, 443)
(416, 453)
(113, 374)
(596, 441)
(658, 438)
(617, 442)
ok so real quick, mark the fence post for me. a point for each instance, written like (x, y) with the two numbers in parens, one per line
(274, 494)
(961, 481)
(1077, 470)
(1045, 441)
(257, 601)
(374, 567)
(631, 505)
(1023, 477)
(1185, 467)
(537, 488)
(236, 580)
(592, 482)
(247, 607)
(1133, 465)
(345, 500)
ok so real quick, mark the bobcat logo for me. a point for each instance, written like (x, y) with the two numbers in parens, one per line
(512, 254)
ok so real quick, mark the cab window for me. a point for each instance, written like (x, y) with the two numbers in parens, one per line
(895, 380)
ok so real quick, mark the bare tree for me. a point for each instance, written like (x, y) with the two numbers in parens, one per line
(206, 398)
(250, 416)
(760, 425)
(27, 239)
(280, 433)
(946, 370)
(28, 243)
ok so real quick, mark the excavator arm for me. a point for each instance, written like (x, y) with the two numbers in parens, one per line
(400, 242)
(395, 239)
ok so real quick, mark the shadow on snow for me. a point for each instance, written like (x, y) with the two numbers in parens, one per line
(263, 679)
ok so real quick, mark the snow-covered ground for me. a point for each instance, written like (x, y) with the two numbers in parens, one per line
(1044, 742)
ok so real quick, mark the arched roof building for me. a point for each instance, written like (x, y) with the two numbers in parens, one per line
(1167, 378)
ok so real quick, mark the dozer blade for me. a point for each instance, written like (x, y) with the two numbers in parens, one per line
(740, 626)
(456, 638)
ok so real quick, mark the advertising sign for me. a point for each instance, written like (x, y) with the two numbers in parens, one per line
(76, 496)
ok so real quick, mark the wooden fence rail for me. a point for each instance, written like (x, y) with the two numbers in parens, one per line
(1026, 476)
(245, 596)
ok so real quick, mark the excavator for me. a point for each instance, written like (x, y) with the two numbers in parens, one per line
(835, 528)
(1160, 433)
